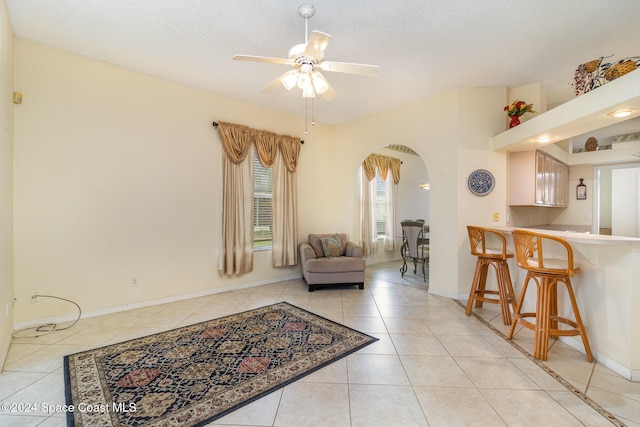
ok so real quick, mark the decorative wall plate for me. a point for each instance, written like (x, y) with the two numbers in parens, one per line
(481, 182)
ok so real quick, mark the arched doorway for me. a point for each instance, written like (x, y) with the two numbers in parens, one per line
(412, 203)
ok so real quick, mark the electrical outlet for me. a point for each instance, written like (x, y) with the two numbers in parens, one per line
(496, 216)
(134, 282)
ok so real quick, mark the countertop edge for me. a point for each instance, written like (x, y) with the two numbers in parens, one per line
(576, 237)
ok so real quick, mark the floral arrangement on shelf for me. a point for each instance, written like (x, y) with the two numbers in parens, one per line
(518, 108)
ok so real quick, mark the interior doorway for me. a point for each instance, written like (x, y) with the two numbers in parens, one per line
(412, 202)
(617, 200)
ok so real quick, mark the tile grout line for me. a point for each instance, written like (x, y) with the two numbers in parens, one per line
(582, 396)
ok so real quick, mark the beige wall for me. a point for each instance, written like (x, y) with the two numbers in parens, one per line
(6, 181)
(578, 212)
(117, 174)
(451, 132)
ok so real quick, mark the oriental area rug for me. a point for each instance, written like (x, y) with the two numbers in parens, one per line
(195, 374)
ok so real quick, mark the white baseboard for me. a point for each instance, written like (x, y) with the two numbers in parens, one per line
(5, 351)
(445, 294)
(381, 261)
(175, 298)
(623, 371)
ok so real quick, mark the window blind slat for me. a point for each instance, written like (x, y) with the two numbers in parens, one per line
(262, 203)
(380, 204)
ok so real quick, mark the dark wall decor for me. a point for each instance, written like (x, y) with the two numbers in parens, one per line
(581, 190)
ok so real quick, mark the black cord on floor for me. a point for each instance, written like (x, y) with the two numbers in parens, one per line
(46, 328)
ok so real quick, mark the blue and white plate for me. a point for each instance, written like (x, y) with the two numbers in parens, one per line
(481, 182)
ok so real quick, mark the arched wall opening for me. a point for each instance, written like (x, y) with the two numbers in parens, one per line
(412, 203)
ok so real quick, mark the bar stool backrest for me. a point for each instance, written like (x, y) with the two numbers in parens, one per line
(530, 246)
(478, 240)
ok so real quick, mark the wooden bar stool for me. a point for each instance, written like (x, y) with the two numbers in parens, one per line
(547, 273)
(498, 259)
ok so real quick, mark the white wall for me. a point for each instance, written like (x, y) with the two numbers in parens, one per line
(605, 198)
(413, 201)
(117, 173)
(625, 199)
(6, 181)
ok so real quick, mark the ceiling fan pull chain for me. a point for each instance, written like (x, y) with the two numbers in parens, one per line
(306, 116)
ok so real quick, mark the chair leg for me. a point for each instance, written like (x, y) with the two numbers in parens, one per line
(474, 286)
(576, 313)
(543, 318)
(553, 307)
(516, 314)
(482, 283)
(505, 291)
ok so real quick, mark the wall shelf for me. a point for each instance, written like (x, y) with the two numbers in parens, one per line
(580, 115)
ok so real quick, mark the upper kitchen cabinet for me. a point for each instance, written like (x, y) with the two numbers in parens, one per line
(537, 179)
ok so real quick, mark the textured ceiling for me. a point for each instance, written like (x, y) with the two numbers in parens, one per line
(423, 47)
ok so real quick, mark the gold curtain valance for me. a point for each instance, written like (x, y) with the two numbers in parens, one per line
(384, 164)
(369, 167)
(237, 139)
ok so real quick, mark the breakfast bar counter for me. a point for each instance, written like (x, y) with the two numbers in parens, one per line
(608, 295)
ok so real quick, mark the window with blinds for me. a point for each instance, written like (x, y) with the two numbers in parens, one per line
(380, 205)
(262, 204)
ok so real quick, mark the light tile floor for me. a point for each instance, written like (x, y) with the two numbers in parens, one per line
(433, 366)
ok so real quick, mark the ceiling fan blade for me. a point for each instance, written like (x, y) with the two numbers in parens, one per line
(276, 83)
(350, 68)
(330, 94)
(262, 59)
(316, 44)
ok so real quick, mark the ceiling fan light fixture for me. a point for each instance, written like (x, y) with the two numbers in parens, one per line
(319, 84)
(308, 92)
(304, 81)
(289, 80)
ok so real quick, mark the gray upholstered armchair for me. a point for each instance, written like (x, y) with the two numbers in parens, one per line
(330, 259)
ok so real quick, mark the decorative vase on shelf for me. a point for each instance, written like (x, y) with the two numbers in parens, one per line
(514, 121)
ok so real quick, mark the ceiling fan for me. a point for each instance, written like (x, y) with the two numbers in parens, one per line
(307, 59)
